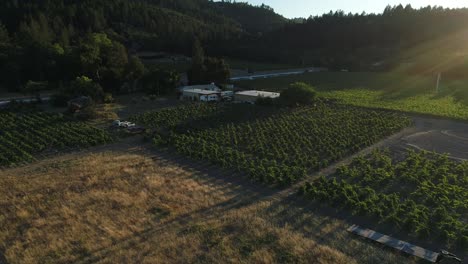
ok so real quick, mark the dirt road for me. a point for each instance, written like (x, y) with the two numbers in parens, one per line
(442, 136)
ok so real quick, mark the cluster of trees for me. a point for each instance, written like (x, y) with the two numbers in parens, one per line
(33, 57)
(298, 93)
(365, 41)
(424, 194)
(56, 41)
(205, 69)
(256, 20)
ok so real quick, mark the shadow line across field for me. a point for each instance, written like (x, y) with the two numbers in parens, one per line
(285, 208)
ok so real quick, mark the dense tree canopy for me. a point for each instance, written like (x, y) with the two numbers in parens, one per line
(58, 40)
(298, 94)
(160, 82)
(361, 41)
(207, 70)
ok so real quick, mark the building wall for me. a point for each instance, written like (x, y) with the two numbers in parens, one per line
(190, 96)
(193, 96)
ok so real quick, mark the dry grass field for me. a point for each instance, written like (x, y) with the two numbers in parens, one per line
(127, 206)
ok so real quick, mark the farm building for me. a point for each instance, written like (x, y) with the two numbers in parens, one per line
(205, 87)
(201, 95)
(252, 96)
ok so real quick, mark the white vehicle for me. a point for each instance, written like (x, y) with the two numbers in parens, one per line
(124, 124)
(116, 123)
(209, 98)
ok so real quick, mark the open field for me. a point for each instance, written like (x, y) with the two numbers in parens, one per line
(129, 205)
(274, 146)
(395, 91)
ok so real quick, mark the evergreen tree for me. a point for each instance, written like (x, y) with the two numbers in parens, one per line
(197, 71)
(135, 69)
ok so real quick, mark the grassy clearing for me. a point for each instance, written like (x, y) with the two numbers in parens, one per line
(127, 208)
(394, 91)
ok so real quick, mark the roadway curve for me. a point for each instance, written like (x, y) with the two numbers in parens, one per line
(5, 102)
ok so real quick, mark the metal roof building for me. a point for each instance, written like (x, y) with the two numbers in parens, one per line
(253, 95)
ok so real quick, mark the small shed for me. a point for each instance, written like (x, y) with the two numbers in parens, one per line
(252, 96)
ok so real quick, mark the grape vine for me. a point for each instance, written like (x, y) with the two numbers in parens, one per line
(22, 136)
(273, 146)
(425, 194)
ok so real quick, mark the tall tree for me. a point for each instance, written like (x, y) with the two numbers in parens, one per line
(217, 71)
(198, 69)
(160, 82)
(135, 69)
(103, 59)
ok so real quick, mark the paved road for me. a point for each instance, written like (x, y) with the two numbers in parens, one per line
(240, 76)
(4, 102)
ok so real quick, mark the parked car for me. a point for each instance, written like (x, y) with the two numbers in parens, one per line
(123, 124)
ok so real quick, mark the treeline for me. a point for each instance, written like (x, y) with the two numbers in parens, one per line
(362, 41)
(55, 41)
(59, 40)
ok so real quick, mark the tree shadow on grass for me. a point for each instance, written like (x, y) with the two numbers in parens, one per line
(328, 226)
(243, 191)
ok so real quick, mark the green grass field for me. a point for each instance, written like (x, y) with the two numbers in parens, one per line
(394, 91)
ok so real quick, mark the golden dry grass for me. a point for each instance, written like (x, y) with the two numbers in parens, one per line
(113, 207)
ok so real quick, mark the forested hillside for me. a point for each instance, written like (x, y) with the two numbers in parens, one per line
(253, 19)
(53, 40)
(59, 40)
(356, 41)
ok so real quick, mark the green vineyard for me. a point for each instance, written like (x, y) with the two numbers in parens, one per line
(173, 116)
(22, 136)
(273, 146)
(425, 194)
